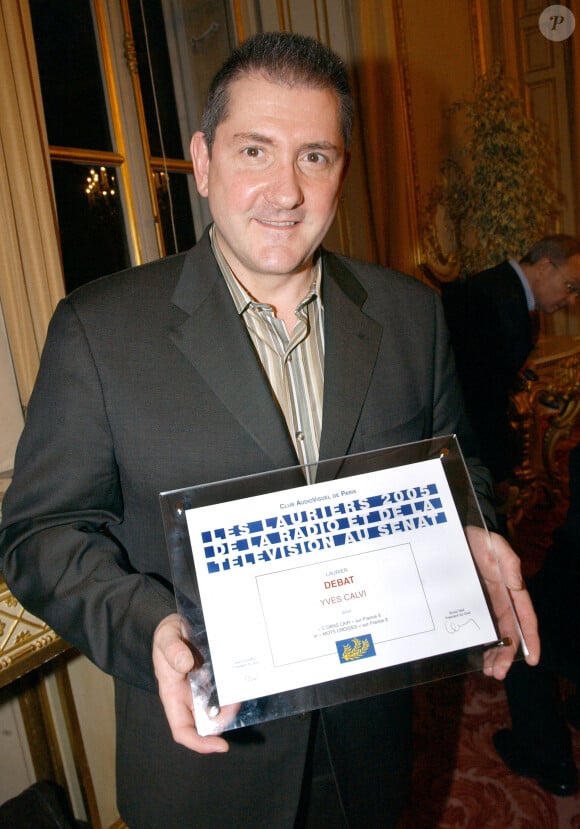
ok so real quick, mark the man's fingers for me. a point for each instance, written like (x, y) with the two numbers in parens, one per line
(500, 568)
(172, 662)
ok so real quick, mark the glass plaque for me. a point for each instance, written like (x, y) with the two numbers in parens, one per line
(295, 596)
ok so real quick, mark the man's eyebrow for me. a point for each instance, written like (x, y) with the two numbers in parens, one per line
(257, 137)
(260, 138)
(322, 145)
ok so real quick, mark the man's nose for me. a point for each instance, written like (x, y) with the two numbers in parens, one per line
(284, 189)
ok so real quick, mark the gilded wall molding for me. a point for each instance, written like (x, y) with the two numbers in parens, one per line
(477, 28)
(26, 643)
(544, 411)
(411, 168)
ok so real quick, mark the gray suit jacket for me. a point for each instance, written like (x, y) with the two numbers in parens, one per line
(148, 383)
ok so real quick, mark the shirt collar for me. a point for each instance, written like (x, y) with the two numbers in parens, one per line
(531, 302)
(242, 299)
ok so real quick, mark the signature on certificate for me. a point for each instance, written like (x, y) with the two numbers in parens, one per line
(453, 625)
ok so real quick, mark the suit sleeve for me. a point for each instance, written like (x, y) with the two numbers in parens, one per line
(449, 416)
(60, 554)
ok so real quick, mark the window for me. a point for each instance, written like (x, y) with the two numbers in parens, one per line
(122, 86)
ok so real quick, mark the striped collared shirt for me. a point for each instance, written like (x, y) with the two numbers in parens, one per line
(294, 365)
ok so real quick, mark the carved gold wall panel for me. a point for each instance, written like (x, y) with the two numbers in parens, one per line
(25, 641)
(545, 411)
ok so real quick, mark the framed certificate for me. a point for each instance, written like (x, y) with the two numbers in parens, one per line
(297, 596)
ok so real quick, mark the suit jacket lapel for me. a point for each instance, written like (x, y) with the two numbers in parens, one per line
(352, 342)
(214, 339)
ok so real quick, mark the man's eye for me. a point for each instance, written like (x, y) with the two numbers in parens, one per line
(252, 152)
(315, 158)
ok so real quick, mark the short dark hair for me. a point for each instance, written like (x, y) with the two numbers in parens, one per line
(558, 248)
(284, 58)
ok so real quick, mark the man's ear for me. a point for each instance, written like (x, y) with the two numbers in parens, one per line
(200, 158)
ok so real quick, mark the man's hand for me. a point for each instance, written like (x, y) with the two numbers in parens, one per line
(500, 568)
(172, 661)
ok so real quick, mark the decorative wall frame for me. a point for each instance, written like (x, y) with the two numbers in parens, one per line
(26, 643)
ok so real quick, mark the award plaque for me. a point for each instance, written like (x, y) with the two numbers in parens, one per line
(297, 596)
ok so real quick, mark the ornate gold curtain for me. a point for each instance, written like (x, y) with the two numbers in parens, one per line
(31, 279)
(386, 120)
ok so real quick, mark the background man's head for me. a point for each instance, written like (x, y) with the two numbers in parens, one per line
(552, 267)
(287, 59)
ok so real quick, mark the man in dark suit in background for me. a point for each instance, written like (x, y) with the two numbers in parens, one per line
(256, 350)
(491, 329)
(488, 315)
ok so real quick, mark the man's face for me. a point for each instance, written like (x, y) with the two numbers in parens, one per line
(274, 177)
(557, 284)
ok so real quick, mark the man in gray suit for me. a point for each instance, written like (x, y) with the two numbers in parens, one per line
(256, 350)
